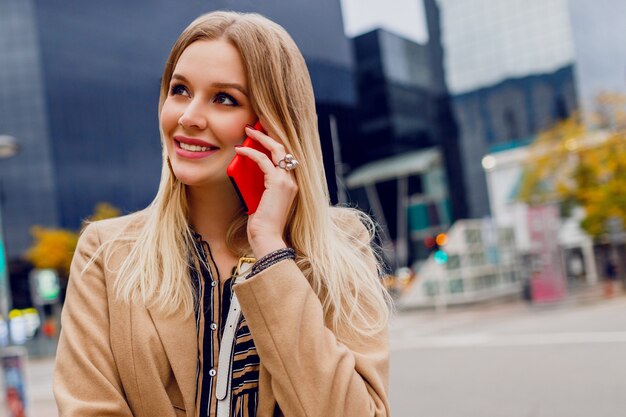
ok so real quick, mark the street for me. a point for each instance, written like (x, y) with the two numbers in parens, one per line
(511, 360)
(503, 360)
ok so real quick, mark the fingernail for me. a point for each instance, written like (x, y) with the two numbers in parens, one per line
(238, 146)
(251, 127)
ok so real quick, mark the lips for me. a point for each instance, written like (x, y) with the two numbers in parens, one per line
(193, 141)
(196, 148)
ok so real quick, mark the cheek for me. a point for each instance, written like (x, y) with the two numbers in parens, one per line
(229, 127)
(169, 117)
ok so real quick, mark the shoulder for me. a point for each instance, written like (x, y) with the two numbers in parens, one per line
(99, 238)
(111, 228)
(95, 234)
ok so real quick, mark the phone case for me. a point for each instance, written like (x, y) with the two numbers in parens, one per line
(246, 176)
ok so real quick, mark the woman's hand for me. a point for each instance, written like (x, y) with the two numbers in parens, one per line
(266, 226)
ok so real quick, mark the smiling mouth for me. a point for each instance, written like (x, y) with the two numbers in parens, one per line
(195, 148)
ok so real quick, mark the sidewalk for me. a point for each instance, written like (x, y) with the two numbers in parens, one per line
(41, 400)
(427, 319)
(40, 370)
(39, 387)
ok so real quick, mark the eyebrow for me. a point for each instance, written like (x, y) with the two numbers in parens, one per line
(236, 86)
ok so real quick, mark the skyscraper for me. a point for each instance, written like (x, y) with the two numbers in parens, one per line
(409, 155)
(80, 84)
(514, 67)
(510, 69)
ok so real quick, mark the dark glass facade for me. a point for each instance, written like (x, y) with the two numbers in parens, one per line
(405, 114)
(508, 113)
(27, 181)
(80, 91)
(509, 78)
(394, 96)
(404, 106)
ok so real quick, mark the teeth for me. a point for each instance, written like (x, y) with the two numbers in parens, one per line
(193, 148)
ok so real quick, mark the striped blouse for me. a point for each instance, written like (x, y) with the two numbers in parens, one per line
(215, 297)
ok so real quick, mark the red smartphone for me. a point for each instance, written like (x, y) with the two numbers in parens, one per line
(246, 176)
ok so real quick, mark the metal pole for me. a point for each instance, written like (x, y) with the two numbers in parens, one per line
(402, 243)
(9, 146)
(12, 358)
(5, 285)
(334, 136)
(442, 290)
(374, 201)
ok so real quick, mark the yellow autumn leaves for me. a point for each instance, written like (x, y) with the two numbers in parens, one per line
(54, 248)
(574, 165)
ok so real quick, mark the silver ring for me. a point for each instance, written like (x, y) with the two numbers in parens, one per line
(288, 162)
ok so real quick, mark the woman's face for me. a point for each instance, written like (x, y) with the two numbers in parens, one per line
(205, 112)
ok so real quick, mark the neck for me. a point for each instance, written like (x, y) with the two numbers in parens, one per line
(212, 210)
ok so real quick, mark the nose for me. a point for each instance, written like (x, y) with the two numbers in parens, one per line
(193, 117)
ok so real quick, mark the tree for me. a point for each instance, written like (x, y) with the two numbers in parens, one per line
(610, 112)
(54, 247)
(572, 165)
(104, 211)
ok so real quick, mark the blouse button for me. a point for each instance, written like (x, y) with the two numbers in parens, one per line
(212, 372)
(213, 326)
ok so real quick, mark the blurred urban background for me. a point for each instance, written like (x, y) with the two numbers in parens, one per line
(487, 137)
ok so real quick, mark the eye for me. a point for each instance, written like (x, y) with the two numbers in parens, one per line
(179, 89)
(226, 99)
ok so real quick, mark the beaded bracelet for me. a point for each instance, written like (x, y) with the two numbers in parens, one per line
(271, 259)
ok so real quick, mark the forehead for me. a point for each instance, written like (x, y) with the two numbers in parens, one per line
(211, 61)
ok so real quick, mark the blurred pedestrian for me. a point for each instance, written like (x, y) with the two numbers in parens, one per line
(610, 277)
(191, 307)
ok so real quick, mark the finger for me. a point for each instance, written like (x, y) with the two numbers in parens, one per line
(276, 148)
(259, 157)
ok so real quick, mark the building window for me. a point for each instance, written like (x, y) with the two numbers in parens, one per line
(560, 109)
(510, 124)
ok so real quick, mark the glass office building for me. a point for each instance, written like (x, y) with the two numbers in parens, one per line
(510, 69)
(599, 35)
(79, 89)
(516, 66)
(408, 170)
(507, 114)
(486, 42)
(27, 181)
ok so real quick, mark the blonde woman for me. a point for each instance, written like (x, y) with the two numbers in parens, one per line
(191, 307)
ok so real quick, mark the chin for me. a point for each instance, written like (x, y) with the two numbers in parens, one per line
(196, 179)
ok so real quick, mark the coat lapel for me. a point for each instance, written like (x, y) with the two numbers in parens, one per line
(179, 338)
(178, 334)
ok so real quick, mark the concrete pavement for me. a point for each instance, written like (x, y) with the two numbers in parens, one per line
(39, 386)
(511, 360)
(502, 360)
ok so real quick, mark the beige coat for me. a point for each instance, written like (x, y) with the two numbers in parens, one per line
(116, 359)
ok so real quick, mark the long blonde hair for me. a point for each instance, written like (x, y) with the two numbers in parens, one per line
(342, 269)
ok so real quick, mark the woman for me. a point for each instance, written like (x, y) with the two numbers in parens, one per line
(164, 315)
